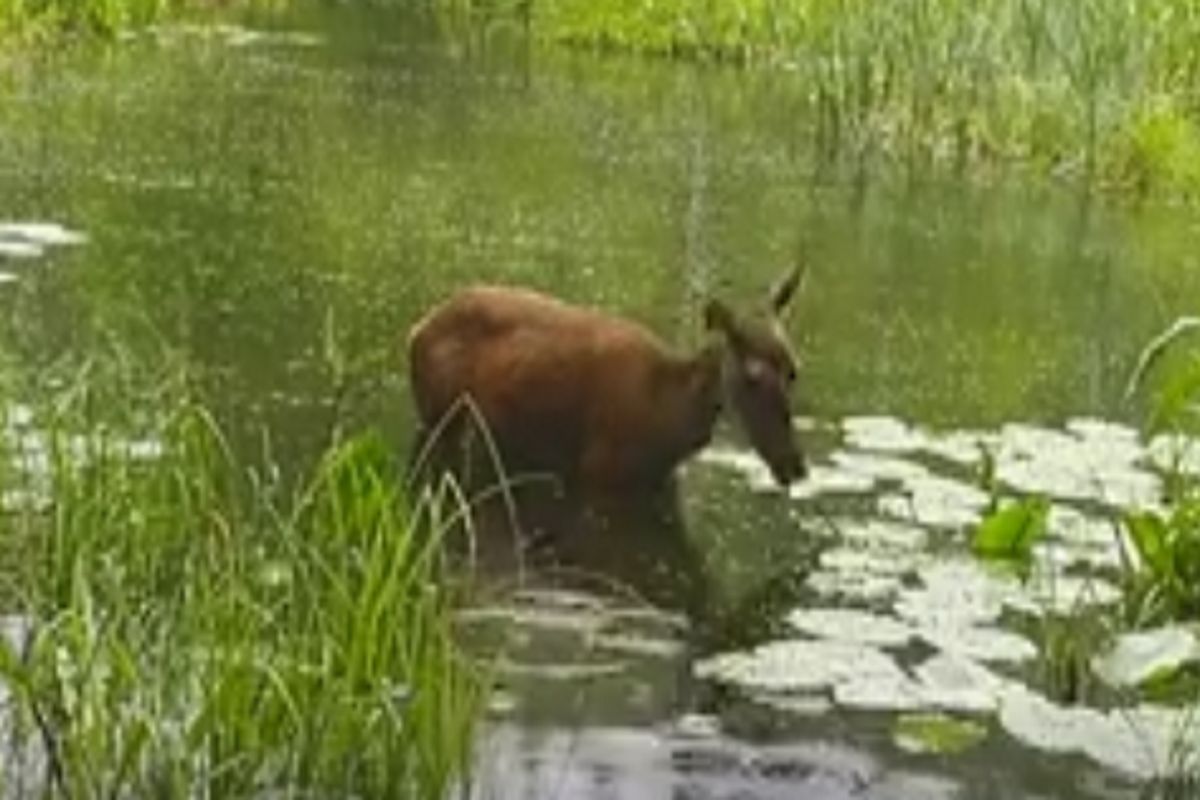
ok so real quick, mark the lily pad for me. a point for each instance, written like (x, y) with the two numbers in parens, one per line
(855, 559)
(936, 733)
(851, 625)
(956, 593)
(886, 434)
(19, 249)
(40, 233)
(1118, 443)
(827, 480)
(936, 501)
(882, 534)
(1078, 538)
(853, 586)
(1140, 742)
(983, 644)
(1049, 592)
(877, 467)
(1136, 658)
(1095, 466)
(956, 683)
(1044, 725)
(799, 665)
(965, 448)
(879, 693)
(863, 573)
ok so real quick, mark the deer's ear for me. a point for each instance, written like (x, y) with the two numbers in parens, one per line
(718, 317)
(785, 290)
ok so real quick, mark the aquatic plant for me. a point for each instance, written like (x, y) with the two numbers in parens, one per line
(1164, 581)
(1011, 532)
(1165, 585)
(183, 624)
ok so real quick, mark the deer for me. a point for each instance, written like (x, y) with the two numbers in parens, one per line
(596, 400)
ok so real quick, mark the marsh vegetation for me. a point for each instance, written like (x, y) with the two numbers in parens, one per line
(1092, 92)
(217, 582)
(183, 623)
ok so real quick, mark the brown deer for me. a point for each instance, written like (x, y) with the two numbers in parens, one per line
(597, 401)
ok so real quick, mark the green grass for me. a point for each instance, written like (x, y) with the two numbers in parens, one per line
(1097, 91)
(1165, 585)
(195, 628)
(37, 19)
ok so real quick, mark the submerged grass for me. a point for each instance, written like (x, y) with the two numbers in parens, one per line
(1098, 91)
(182, 625)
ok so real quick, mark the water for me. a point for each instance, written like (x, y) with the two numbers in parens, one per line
(277, 208)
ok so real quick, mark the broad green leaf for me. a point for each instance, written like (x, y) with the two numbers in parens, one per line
(1011, 532)
(1149, 534)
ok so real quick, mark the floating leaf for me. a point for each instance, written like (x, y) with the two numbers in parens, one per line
(955, 683)
(983, 644)
(40, 233)
(851, 625)
(1141, 742)
(1011, 532)
(936, 733)
(1136, 658)
(800, 665)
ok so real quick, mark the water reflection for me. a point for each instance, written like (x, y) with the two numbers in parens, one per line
(615, 762)
(635, 547)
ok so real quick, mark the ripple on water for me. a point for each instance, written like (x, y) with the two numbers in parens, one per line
(516, 762)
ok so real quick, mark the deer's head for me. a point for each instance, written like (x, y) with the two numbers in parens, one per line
(760, 371)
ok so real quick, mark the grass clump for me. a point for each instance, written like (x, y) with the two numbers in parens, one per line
(1164, 584)
(38, 19)
(181, 625)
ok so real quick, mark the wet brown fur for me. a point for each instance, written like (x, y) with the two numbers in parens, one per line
(600, 405)
(593, 399)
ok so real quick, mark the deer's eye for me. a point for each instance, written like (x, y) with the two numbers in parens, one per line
(755, 369)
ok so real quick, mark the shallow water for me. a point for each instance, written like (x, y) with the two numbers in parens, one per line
(278, 202)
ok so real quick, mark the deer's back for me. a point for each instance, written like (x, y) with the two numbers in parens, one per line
(546, 376)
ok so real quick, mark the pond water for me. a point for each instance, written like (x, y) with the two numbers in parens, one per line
(276, 202)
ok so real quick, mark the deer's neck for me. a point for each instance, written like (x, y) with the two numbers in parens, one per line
(697, 397)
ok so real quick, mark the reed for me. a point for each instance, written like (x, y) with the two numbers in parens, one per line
(184, 625)
(1100, 92)
(39, 19)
